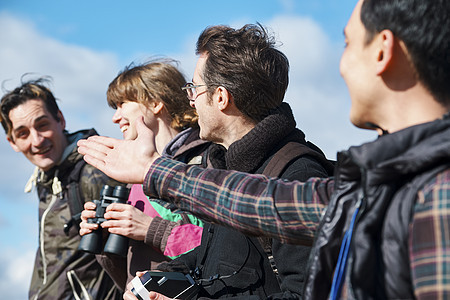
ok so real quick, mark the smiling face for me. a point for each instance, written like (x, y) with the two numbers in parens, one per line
(126, 115)
(37, 134)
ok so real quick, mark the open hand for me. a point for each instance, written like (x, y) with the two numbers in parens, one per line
(127, 161)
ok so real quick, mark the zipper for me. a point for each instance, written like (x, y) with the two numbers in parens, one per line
(346, 245)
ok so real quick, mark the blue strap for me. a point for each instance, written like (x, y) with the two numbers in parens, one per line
(339, 272)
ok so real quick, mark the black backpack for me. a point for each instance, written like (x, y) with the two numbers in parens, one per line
(74, 197)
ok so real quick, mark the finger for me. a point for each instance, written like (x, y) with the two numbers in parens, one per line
(87, 214)
(89, 205)
(94, 149)
(157, 296)
(114, 224)
(117, 215)
(99, 140)
(89, 226)
(129, 296)
(97, 163)
(117, 207)
(104, 140)
(85, 230)
(84, 146)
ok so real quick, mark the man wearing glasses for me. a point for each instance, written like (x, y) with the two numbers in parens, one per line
(238, 89)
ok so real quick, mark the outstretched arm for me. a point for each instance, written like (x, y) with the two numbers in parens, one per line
(253, 204)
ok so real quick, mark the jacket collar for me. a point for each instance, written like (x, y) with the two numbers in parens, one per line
(405, 152)
(248, 153)
(69, 157)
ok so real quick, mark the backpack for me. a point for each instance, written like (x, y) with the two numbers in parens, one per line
(74, 197)
(278, 164)
(292, 150)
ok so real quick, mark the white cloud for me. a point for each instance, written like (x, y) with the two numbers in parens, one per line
(80, 75)
(288, 5)
(316, 91)
(16, 273)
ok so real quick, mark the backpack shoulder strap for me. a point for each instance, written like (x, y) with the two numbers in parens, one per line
(74, 196)
(285, 155)
(277, 164)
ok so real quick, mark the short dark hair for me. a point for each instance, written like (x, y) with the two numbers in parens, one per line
(29, 90)
(247, 64)
(155, 80)
(424, 27)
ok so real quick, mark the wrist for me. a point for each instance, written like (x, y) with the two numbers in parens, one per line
(149, 165)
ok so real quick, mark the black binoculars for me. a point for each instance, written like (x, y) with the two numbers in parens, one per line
(93, 242)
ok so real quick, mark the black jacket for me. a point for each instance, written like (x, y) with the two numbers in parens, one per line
(251, 154)
(382, 178)
(224, 251)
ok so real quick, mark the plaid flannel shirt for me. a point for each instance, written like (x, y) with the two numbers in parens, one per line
(246, 203)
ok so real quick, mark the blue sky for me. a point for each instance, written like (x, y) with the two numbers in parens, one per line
(84, 44)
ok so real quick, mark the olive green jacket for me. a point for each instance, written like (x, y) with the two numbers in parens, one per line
(60, 271)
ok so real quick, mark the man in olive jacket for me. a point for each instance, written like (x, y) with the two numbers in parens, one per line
(35, 126)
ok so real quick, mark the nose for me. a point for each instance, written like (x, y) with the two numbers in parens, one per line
(36, 138)
(117, 116)
(192, 103)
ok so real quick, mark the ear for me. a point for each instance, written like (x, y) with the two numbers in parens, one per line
(13, 145)
(385, 50)
(62, 120)
(224, 98)
(156, 107)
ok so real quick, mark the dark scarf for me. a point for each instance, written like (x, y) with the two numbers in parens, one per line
(248, 153)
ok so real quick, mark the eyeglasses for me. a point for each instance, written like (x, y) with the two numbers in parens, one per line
(191, 90)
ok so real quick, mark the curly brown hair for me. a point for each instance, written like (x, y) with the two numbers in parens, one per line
(246, 62)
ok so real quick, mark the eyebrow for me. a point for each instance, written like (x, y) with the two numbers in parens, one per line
(34, 122)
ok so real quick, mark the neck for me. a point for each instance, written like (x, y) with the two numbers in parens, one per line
(236, 130)
(163, 135)
(409, 108)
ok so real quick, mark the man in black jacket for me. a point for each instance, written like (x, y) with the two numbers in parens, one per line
(237, 90)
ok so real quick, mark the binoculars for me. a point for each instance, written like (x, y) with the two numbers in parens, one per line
(93, 242)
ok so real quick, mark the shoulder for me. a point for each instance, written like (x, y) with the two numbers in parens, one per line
(299, 160)
(304, 168)
(193, 148)
(92, 175)
(428, 241)
(92, 180)
(436, 192)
